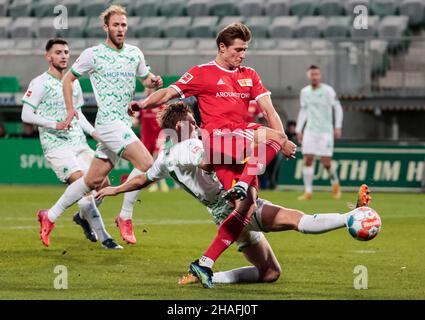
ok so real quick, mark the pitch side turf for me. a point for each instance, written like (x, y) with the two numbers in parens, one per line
(173, 229)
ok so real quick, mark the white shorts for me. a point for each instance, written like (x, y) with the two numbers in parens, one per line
(253, 232)
(114, 137)
(66, 161)
(318, 144)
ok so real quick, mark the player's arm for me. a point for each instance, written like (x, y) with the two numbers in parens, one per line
(301, 119)
(338, 115)
(28, 116)
(67, 87)
(152, 81)
(154, 100)
(138, 182)
(86, 125)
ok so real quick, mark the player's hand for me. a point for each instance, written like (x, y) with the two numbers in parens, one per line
(288, 149)
(108, 191)
(300, 137)
(95, 136)
(337, 133)
(157, 82)
(133, 107)
(61, 125)
(71, 116)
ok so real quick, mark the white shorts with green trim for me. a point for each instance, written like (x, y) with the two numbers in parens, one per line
(114, 138)
(253, 232)
(67, 161)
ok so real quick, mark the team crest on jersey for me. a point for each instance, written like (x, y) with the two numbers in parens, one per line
(196, 149)
(29, 93)
(245, 82)
(186, 78)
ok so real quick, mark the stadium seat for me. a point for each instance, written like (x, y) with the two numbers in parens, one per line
(228, 20)
(223, 8)
(20, 8)
(394, 28)
(7, 44)
(91, 42)
(4, 26)
(330, 8)
(94, 28)
(415, 10)
(310, 27)
(176, 27)
(197, 8)
(154, 44)
(263, 44)
(283, 27)
(73, 7)
(150, 27)
(4, 4)
(9, 84)
(183, 44)
(259, 26)
(292, 44)
(93, 8)
(44, 8)
(321, 44)
(251, 8)
(24, 27)
(76, 44)
(384, 7)
(203, 27)
(207, 44)
(47, 28)
(351, 4)
(337, 27)
(146, 8)
(76, 28)
(370, 32)
(172, 8)
(302, 8)
(380, 60)
(275, 8)
(127, 4)
(133, 23)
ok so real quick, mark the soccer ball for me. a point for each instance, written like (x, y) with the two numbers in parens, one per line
(364, 223)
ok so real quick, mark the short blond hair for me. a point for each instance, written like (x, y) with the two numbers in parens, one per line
(113, 9)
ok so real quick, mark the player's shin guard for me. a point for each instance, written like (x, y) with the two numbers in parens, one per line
(72, 194)
(130, 198)
(259, 160)
(321, 223)
(228, 232)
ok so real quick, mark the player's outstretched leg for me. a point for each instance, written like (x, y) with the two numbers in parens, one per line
(46, 226)
(364, 197)
(84, 224)
(204, 274)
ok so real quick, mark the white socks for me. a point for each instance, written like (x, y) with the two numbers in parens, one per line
(321, 223)
(130, 198)
(308, 178)
(204, 261)
(244, 274)
(88, 210)
(72, 194)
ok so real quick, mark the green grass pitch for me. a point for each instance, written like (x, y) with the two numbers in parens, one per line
(173, 229)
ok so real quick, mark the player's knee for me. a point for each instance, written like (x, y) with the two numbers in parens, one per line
(247, 206)
(94, 182)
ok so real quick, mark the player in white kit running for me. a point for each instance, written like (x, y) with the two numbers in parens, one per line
(317, 101)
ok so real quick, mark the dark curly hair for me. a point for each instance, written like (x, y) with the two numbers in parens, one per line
(173, 113)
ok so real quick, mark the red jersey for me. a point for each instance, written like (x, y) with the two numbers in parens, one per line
(223, 95)
(150, 128)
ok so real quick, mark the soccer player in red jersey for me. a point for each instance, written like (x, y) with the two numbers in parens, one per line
(224, 88)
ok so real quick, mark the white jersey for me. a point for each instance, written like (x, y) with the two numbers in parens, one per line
(45, 96)
(113, 77)
(316, 109)
(180, 162)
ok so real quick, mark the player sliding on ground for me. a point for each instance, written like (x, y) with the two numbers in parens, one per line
(224, 88)
(113, 67)
(66, 151)
(183, 160)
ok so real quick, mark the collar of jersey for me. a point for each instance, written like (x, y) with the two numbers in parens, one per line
(113, 49)
(54, 77)
(224, 69)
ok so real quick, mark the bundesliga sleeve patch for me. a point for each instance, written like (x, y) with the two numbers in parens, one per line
(186, 78)
(28, 94)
